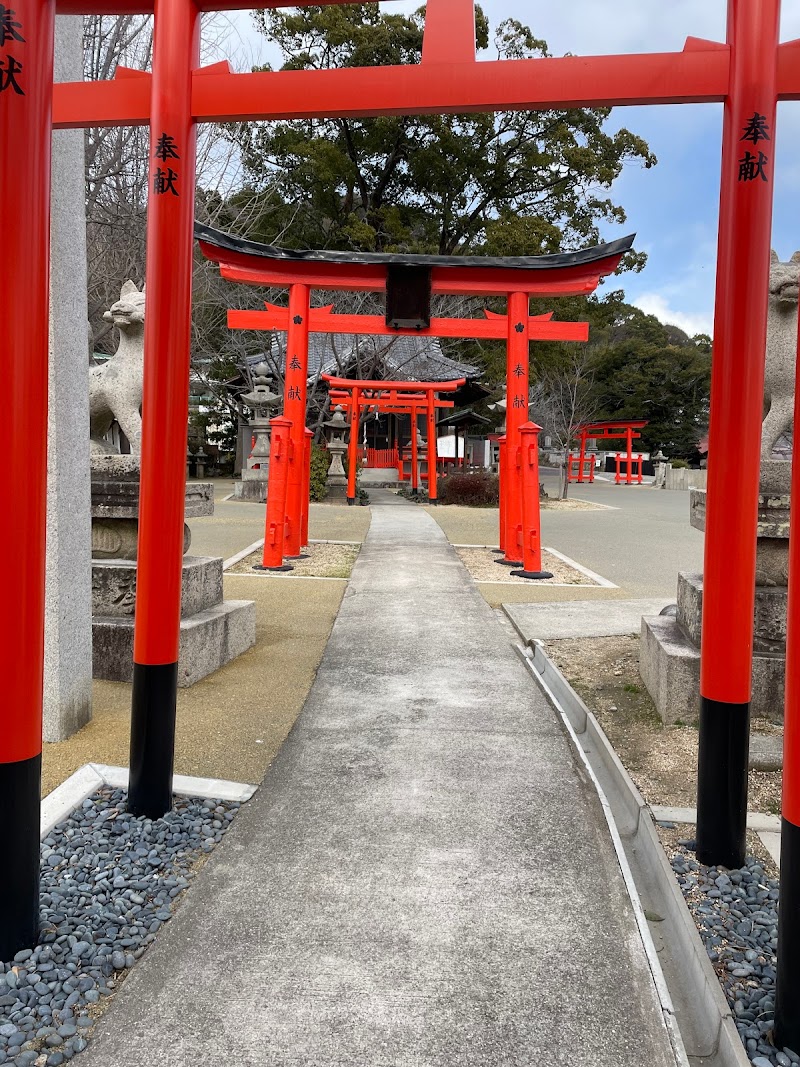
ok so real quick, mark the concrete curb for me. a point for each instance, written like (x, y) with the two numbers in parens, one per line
(601, 581)
(694, 1001)
(327, 541)
(288, 575)
(755, 819)
(233, 560)
(89, 778)
(768, 827)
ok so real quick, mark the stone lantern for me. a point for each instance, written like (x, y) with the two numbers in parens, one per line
(262, 402)
(337, 427)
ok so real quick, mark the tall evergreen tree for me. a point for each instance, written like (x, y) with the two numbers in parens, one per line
(513, 183)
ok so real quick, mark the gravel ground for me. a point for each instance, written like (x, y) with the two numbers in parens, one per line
(109, 882)
(483, 566)
(736, 913)
(324, 561)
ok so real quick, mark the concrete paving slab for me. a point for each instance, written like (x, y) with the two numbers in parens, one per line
(581, 618)
(772, 843)
(425, 877)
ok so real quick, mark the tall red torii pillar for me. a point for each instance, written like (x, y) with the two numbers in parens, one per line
(26, 80)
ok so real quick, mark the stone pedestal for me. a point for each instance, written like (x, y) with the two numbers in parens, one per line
(213, 631)
(68, 619)
(115, 506)
(669, 658)
(253, 486)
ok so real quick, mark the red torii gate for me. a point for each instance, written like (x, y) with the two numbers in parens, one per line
(607, 431)
(749, 74)
(409, 281)
(399, 398)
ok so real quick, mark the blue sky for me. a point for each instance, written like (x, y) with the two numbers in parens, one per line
(672, 207)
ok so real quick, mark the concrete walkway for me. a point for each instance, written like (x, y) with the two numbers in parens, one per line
(425, 877)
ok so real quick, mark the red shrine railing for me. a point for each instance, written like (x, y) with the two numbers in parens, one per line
(381, 457)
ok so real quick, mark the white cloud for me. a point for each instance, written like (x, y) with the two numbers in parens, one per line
(588, 27)
(658, 305)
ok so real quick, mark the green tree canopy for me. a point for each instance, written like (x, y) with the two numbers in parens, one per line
(639, 368)
(513, 183)
(644, 369)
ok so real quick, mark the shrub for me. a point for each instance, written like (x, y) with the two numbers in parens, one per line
(678, 464)
(478, 490)
(320, 461)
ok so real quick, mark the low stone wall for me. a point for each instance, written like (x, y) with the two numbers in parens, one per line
(683, 478)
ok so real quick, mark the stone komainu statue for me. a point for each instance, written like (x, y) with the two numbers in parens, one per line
(779, 370)
(115, 389)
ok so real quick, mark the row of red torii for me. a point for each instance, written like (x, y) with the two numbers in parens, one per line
(408, 283)
(748, 74)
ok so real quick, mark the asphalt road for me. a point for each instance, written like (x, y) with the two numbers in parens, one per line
(641, 546)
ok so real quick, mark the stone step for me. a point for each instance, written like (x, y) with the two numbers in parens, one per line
(208, 640)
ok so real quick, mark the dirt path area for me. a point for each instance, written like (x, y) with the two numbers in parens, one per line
(662, 760)
(232, 723)
(323, 561)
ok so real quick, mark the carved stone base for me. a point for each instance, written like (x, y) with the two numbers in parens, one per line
(769, 620)
(115, 507)
(119, 538)
(253, 485)
(776, 477)
(208, 640)
(114, 586)
(772, 552)
(337, 491)
(669, 655)
(669, 664)
(213, 631)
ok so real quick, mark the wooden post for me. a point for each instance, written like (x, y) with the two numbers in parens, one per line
(414, 454)
(531, 512)
(517, 356)
(306, 495)
(275, 520)
(433, 451)
(352, 447)
(26, 79)
(165, 407)
(737, 389)
(295, 384)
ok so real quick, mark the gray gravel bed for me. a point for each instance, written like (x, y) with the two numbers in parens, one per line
(109, 882)
(736, 913)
